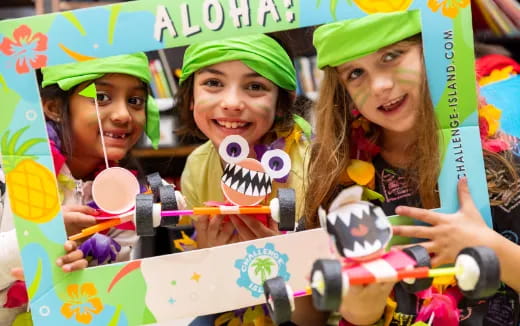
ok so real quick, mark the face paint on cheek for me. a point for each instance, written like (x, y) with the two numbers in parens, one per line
(263, 107)
(407, 76)
(360, 98)
(204, 104)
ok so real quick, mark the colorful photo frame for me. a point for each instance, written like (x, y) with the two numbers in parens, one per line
(122, 294)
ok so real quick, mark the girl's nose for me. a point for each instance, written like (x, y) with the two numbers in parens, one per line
(382, 84)
(120, 113)
(232, 101)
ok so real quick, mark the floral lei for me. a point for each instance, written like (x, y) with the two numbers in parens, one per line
(99, 247)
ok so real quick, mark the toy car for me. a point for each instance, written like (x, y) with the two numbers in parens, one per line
(361, 231)
(149, 215)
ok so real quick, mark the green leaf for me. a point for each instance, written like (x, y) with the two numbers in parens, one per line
(11, 148)
(114, 321)
(318, 3)
(5, 137)
(28, 144)
(114, 14)
(369, 194)
(304, 125)
(75, 22)
(33, 288)
(333, 5)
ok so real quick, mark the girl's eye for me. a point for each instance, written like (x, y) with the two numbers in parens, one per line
(136, 101)
(355, 74)
(390, 56)
(256, 87)
(212, 83)
(102, 97)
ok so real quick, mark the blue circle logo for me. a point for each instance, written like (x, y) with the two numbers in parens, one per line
(259, 265)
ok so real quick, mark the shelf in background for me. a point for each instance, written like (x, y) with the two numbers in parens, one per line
(180, 151)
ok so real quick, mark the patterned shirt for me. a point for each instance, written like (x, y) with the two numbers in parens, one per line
(503, 308)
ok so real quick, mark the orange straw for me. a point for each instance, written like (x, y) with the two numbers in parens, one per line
(96, 228)
(232, 210)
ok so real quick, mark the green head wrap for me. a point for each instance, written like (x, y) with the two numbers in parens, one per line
(72, 74)
(344, 41)
(259, 52)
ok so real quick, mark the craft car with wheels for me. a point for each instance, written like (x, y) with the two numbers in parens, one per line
(360, 232)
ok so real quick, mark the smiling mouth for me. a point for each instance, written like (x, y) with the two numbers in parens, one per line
(116, 135)
(232, 124)
(393, 104)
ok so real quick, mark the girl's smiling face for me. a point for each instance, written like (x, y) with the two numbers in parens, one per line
(229, 98)
(385, 85)
(122, 107)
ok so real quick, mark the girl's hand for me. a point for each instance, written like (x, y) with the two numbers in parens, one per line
(78, 217)
(249, 228)
(212, 231)
(448, 233)
(365, 304)
(73, 260)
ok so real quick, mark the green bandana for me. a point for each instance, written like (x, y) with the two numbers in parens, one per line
(259, 52)
(344, 41)
(71, 74)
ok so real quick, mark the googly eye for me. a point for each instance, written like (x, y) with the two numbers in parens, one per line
(233, 149)
(276, 163)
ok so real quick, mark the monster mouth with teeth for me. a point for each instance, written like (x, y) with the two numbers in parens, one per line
(245, 183)
(361, 228)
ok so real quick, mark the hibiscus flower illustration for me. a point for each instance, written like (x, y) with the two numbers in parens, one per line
(83, 303)
(26, 48)
(450, 8)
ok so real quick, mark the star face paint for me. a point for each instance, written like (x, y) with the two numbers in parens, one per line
(247, 181)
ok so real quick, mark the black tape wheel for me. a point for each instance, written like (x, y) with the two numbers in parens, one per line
(287, 208)
(168, 203)
(482, 262)
(421, 256)
(144, 215)
(278, 301)
(326, 284)
(155, 182)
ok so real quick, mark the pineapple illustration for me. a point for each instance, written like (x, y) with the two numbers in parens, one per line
(31, 186)
(374, 6)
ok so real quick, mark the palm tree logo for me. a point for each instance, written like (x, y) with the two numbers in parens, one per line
(263, 267)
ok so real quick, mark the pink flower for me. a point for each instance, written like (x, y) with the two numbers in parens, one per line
(25, 47)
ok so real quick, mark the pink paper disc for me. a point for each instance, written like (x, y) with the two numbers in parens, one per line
(114, 190)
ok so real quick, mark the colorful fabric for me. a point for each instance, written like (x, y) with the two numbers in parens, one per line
(503, 308)
(259, 52)
(72, 74)
(486, 64)
(340, 42)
